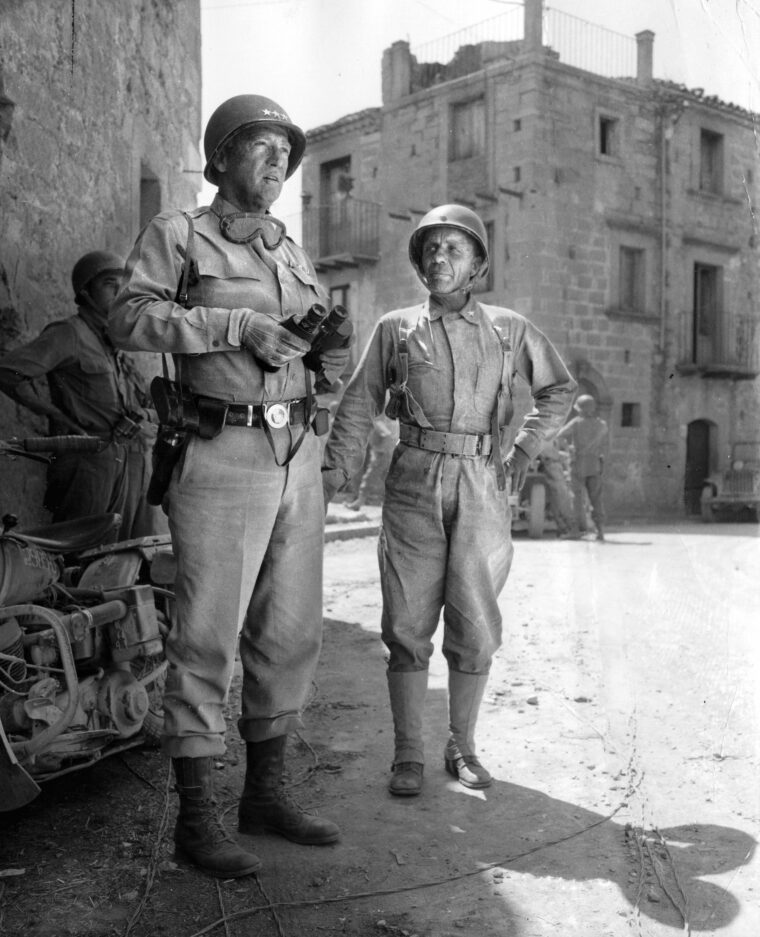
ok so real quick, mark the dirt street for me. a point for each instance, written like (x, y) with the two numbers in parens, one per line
(620, 724)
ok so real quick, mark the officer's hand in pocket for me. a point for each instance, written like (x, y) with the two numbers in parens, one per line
(269, 341)
(516, 466)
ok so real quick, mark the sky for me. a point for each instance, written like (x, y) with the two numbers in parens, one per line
(321, 59)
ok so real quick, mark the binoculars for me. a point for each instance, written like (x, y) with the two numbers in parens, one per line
(322, 329)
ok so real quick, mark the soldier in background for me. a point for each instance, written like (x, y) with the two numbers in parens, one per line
(94, 390)
(589, 438)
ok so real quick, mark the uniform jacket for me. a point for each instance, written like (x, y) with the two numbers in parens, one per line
(460, 364)
(589, 437)
(89, 380)
(227, 281)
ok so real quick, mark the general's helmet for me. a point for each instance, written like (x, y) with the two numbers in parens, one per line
(586, 405)
(245, 110)
(450, 216)
(90, 265)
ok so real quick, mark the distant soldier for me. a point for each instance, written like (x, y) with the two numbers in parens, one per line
(95, 390)
(589, 437)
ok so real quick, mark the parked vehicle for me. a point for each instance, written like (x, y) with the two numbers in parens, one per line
(529, 507)
(738, 487)
(83, 621)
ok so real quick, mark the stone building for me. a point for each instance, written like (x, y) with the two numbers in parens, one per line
(622, 221)
(99, 129)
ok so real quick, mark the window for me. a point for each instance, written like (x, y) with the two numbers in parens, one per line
(485, 284)
(632, 279)
(707, 311)
(468, 129)
(150, 195)
(630, 414)
(608, 136)
(517, 125)
(339, 296)
(711, 162)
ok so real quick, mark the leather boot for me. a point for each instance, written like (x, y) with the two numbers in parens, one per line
(265, 805)
(465, 695)
(407, 695)
(199, 834)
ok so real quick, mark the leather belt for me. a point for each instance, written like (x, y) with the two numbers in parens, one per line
(275, 414)
(468, 444)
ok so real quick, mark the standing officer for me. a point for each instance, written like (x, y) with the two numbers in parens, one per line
(245, 503)
(449, 364)
(589, 438)
(94, 391)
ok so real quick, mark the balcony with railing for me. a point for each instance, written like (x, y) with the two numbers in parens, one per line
(574, 41)
(342, 234)
(729, 350)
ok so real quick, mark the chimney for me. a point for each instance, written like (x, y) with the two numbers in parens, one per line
(644, 56)
(397, 72)
(533, 25)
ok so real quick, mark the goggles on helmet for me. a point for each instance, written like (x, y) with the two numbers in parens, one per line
(242, 227)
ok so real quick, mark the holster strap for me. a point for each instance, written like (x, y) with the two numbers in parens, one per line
(467, 444)
(281, 413)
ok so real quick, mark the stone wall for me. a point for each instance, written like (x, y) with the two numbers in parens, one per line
(99, 101)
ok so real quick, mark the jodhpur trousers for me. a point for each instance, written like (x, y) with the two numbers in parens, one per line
(248, 538)
(446, 544)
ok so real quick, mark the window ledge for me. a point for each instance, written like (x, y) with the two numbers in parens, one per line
(714, 196)
(632, 315)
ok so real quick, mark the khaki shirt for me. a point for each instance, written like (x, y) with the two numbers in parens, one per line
(227, 282)
(590, 440)
(89, 380)
(458, 364)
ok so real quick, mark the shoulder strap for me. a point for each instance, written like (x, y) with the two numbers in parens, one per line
(181, 299)
(402, 399)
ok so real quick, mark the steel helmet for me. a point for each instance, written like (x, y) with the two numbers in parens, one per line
(242, 111)
(586, 405)
(90, 265)
(450, 216)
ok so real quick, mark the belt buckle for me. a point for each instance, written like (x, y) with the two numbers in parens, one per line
(277, 415)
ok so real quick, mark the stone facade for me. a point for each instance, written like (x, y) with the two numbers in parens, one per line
(99, 130)
(622, 222)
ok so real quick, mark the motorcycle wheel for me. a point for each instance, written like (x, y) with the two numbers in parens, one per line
(153, 725)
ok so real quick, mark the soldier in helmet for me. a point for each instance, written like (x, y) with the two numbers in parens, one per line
(245, 502)
(95, 391)
(587, 433)
(448, 366)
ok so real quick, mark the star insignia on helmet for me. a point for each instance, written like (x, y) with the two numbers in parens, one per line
(276, 114)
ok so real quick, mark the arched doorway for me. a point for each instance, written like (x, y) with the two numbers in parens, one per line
(699, 441)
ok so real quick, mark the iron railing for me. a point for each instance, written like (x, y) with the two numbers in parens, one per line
(578, 43)
(351, 226)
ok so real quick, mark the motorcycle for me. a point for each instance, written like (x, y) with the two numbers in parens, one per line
(83, 621)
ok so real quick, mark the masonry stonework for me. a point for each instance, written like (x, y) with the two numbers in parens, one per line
(99, 105)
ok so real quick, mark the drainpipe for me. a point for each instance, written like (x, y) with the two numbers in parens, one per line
(666, 134)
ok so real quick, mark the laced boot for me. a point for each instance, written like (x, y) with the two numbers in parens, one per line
(407, 695)
(265, 805)
(465, 695)
(199, 834)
